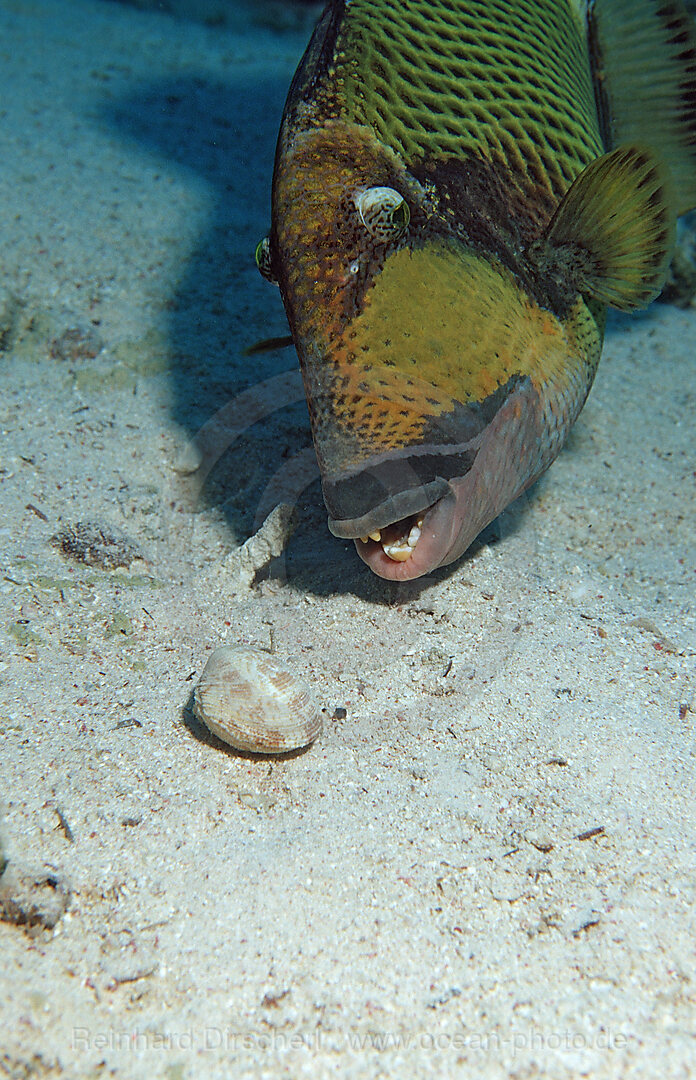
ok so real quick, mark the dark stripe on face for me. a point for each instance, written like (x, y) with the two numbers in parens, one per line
(405, 482)
(482, 206)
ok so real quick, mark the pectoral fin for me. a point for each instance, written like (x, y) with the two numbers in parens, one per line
(612, 235)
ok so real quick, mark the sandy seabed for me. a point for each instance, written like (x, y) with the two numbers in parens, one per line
(486, 865)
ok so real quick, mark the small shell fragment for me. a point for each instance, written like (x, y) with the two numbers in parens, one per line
(254, 703)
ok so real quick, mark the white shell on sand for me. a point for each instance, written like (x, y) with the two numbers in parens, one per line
(251, 701)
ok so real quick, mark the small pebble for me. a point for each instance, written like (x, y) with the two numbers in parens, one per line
(96, 545)
(32, 898)
(77, 343)
(539, 839)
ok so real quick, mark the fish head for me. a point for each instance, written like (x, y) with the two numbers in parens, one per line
(437, 387)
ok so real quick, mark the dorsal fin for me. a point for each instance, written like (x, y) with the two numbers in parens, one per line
(612, 235)
(644, 66)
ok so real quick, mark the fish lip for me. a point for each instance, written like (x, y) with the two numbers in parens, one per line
(396, 507)
(438, 533)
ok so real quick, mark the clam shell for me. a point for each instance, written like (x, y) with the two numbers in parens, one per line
(253, 702)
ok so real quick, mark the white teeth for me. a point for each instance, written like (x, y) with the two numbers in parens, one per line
(397, 552)
(402, 549)
(413, 536)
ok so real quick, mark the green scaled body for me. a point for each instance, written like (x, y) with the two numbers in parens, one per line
(507, 82)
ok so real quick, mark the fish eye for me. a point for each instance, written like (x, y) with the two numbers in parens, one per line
(384, 212)
(263, 260)
(401, 216)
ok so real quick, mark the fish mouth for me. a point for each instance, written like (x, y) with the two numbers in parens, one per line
(407, 519)
(410, 546)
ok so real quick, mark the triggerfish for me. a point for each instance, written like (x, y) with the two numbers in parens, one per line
(461, 188)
